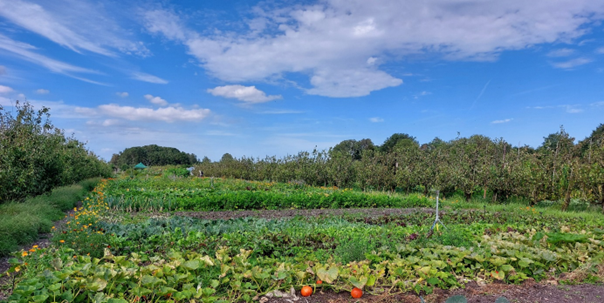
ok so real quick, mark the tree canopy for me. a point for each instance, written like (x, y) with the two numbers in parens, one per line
(152, 155)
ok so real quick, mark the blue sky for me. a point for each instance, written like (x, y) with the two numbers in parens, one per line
(279, 77)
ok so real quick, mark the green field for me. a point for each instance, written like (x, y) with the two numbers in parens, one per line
(126, 245)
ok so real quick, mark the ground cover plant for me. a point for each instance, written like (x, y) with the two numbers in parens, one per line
(104, 254)
(21, 222)
(167, 194)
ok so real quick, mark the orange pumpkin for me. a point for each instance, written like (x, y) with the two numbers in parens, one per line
(306, 291)
(356, 293)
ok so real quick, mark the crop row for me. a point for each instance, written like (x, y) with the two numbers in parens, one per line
(207, 195)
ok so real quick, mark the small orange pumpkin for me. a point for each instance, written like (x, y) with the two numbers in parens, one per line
(306, 291)
(356, 293)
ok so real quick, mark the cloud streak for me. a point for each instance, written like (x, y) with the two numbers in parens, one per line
(148, 78)
(502, 121)
(77, 25)
(570, 64)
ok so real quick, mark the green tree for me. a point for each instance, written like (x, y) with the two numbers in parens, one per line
(398, 139)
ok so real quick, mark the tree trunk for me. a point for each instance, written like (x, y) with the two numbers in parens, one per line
(484, 193)
(566, 200)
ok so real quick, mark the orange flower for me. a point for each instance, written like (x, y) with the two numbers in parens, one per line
(62, 241)
(23, 254)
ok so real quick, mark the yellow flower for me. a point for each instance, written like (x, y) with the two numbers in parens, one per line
(35, 246)
(23, 254)
(62, 241)
(18, 268)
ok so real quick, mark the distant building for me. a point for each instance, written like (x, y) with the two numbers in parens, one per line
(140, 165)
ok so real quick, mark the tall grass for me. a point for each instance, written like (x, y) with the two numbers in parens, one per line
(21, 222)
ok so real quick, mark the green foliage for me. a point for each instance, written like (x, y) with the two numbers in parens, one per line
(152, 155)
(177, 171)
(151, 257)
(398, 139)
(20, 223)
(217, 194)
(36, 157)
(353, 148)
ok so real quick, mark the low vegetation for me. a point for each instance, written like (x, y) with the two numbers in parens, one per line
(108, 255)
(20, 223)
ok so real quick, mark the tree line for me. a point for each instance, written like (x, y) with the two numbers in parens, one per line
(558, 169)
(152, 155)
(35, 156)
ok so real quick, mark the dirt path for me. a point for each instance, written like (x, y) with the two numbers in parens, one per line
(289, 213)
(529, 292)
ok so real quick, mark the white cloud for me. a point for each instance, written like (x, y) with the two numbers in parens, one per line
(334, 38)
(600, 50)
(166, 114)
(561, 52)
(248, 94)
(42, 91)
(502, 121)
(5, 89)
(156, 100)
(24, 51)
(148, 78)
(572, 109)
(376, 119)
(122, 94)
(76, 25)
(571, 63)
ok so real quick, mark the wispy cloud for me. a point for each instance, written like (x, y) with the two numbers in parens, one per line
(376, 119)
(561, 52)
(600, 50)
(77, 25)
(249, 94)
(156, 100)
(219, 133)
(422, 94)
(122, 94)
(42, 91)
(572, 63)
(569, 108)
(25, 51)
(2, 70)
(148, 78)
(502, 121)
(5, 89)
(598, 104)
(281, 112)
(484, 88)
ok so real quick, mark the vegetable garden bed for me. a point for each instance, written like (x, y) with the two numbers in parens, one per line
(108, 255)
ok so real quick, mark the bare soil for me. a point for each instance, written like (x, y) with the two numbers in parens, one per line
(290, 213)
(528, 292)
